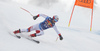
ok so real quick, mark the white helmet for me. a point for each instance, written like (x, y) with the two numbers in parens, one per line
(55, 18)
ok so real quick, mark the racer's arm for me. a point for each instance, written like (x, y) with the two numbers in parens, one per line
(43, 15)
(59, 34)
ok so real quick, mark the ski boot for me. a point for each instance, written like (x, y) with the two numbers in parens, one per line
(17, 31)
(33, 35)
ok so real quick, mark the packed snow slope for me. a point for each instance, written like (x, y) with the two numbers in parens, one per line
(77, 37)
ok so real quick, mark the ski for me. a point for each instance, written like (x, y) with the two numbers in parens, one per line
(14, 35)
(29, 38)
(36, 41)
(18, 36)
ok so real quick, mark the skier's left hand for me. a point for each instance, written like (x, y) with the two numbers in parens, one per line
(60, 36)
(35, 17)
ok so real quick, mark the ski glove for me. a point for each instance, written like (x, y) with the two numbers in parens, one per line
(60, 36)
(35, 17)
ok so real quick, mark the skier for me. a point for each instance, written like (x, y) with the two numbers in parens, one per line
(47, 23)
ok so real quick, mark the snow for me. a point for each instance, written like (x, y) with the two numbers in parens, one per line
(77, 37)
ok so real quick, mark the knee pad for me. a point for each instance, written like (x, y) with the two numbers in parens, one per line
(37, 31)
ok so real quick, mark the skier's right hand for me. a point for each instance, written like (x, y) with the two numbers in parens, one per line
(60, 36)
(35, 17)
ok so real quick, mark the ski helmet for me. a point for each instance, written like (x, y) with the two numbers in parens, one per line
(55, 18)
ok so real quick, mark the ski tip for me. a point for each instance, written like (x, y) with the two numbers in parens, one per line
(38, 42)
(18, 37)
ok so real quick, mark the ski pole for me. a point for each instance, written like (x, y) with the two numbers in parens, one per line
(57, 38)
(26, 11)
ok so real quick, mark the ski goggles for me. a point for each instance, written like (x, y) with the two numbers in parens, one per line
(55, 20)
